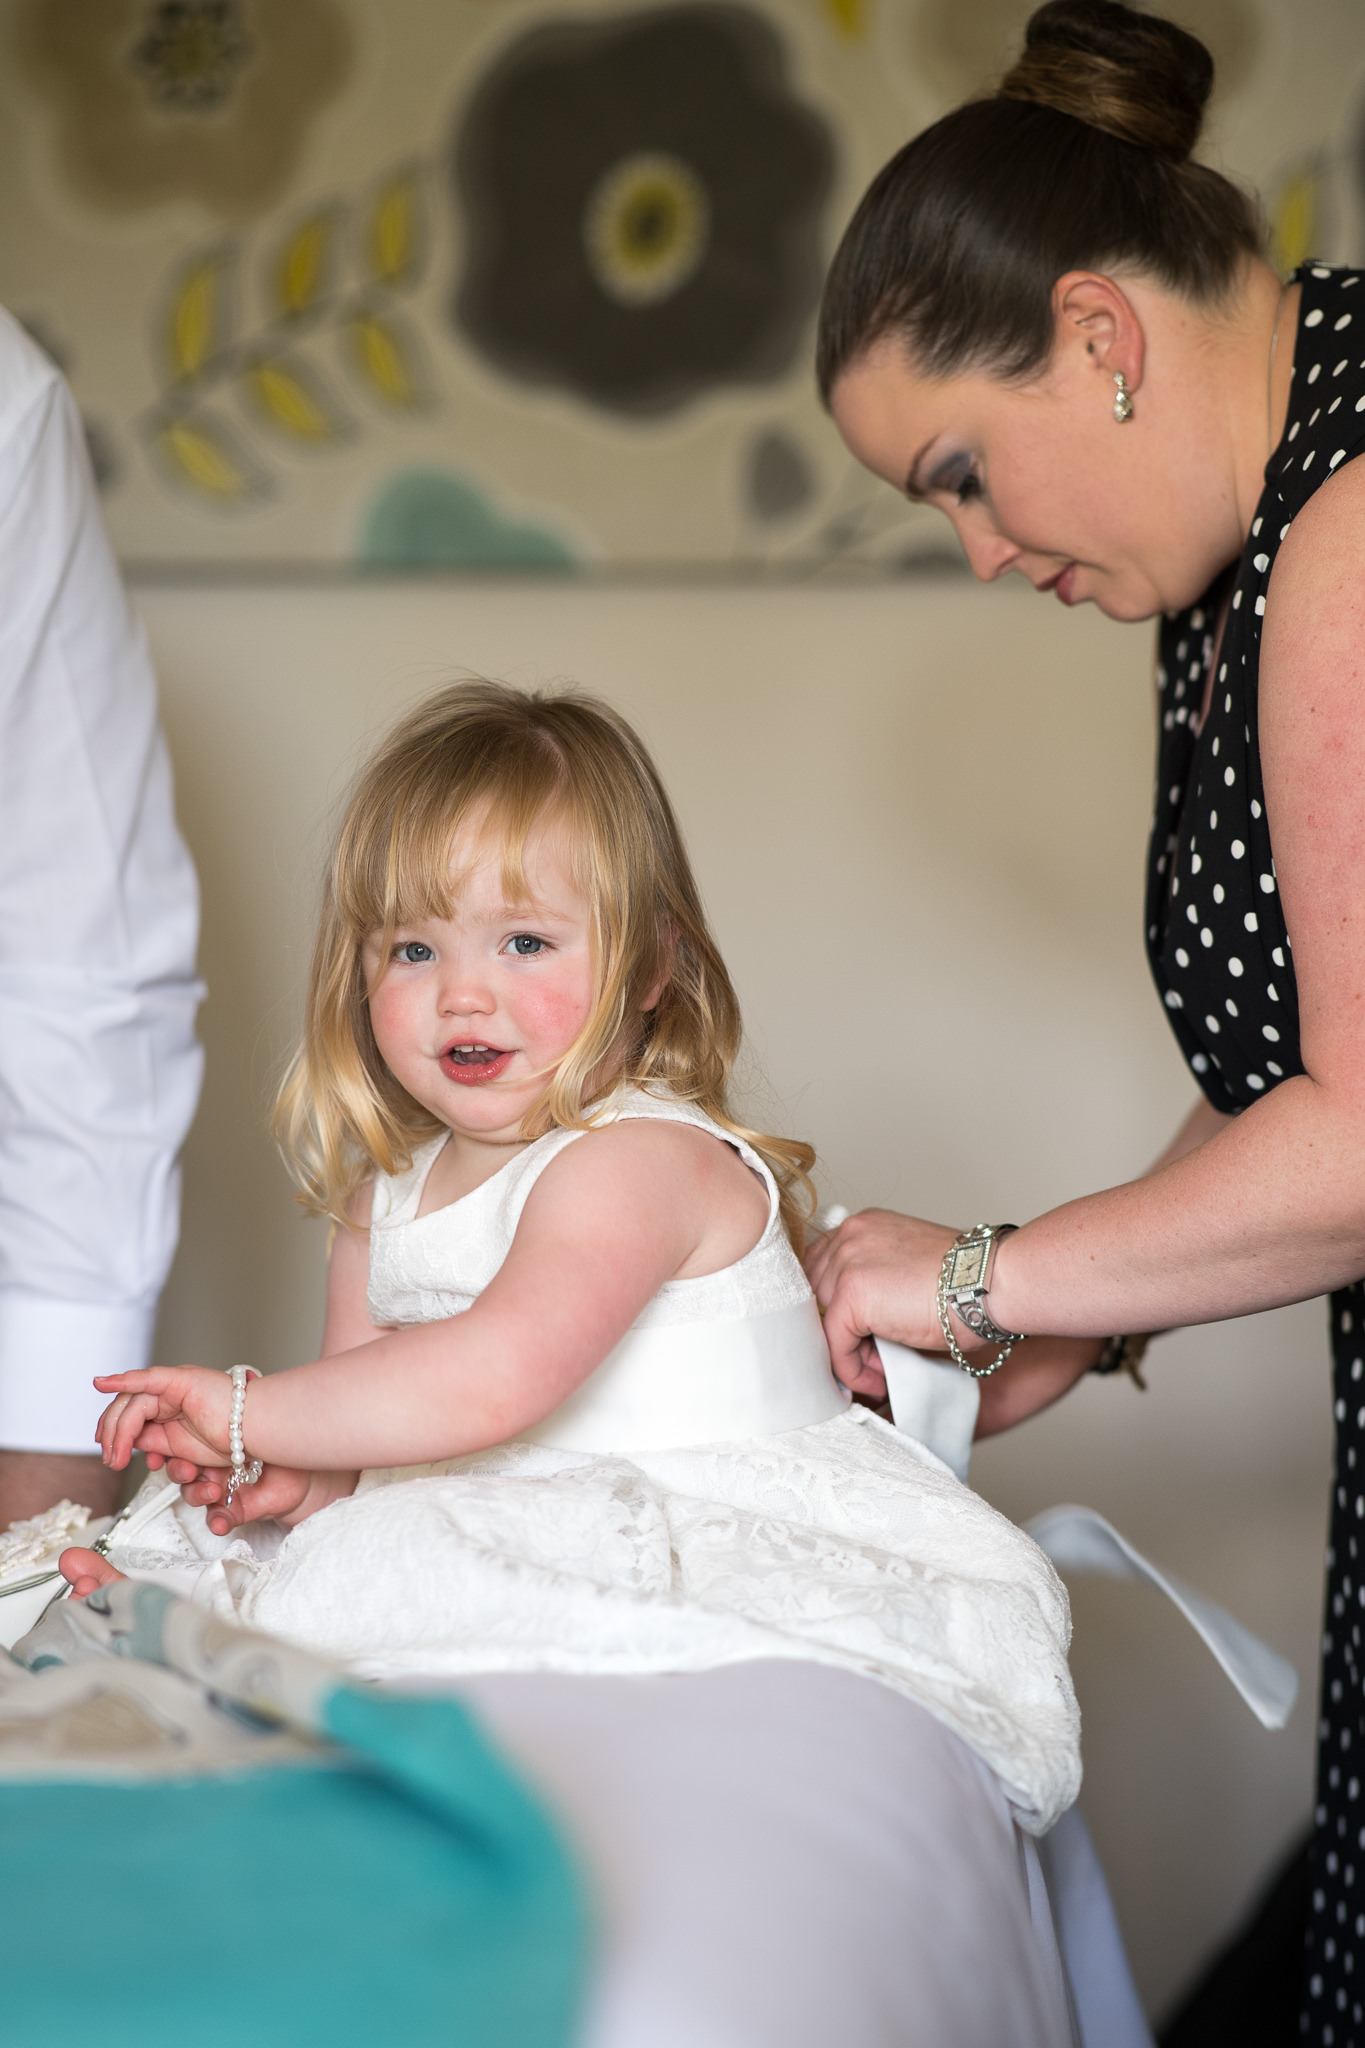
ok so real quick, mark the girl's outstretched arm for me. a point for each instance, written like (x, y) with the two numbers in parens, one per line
(617, 1214)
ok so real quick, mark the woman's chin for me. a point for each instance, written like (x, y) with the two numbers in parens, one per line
(1126, 605)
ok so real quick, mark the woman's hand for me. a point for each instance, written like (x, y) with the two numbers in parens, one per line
(877, 1275)
(178, 1411)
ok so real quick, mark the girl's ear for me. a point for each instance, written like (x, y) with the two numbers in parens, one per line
(652, 1000)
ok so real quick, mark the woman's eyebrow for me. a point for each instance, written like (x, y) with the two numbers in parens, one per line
(914, 489)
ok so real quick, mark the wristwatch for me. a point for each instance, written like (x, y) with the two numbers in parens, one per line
(963, 1285)
(967, 1278)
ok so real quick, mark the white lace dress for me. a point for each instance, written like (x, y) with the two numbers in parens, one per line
(708, 1496)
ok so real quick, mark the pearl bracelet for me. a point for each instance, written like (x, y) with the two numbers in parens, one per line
(243, 1473)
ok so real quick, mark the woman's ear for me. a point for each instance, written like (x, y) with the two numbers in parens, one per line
(1094, 318)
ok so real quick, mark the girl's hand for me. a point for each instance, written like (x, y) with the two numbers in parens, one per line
(279, 1495)
(877, 1275)
(168, 1412)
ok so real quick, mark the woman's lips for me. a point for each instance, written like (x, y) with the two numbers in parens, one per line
(471, 1065)
(1065, 584)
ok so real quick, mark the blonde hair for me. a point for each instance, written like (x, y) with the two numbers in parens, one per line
(507, 761)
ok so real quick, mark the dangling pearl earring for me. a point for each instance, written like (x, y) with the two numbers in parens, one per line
(1123, 404)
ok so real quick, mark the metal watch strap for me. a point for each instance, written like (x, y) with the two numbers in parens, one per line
(964, 1281)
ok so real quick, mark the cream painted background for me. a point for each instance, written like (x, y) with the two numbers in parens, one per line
(945, 992)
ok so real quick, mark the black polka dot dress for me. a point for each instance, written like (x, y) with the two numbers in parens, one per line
(1221, 956)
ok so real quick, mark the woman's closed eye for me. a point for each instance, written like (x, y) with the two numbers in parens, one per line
(956, 477)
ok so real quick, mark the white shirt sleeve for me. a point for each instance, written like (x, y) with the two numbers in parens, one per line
(99, 1068)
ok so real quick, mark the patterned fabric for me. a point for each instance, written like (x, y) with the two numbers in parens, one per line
(1221, 957)
(142, 1739)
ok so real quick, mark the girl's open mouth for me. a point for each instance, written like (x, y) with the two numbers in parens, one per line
(471, 1064)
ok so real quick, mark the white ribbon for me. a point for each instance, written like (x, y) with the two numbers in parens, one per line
(1077, 1539)
(936, 1404)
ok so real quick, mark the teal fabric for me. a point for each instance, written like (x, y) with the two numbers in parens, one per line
(406, 1892)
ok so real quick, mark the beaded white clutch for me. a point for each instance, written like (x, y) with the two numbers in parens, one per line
(29, 1578)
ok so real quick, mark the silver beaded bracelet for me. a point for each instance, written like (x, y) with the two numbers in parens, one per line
(243, 1473)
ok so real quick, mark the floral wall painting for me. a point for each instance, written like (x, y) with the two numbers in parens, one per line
(643, 198)
(428, 519)
(369, 286)
(207, 99)
(328, 340)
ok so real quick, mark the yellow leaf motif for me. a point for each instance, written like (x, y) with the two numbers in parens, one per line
(301, 271)
(198, 315)
(205, 458)
(385, 359)
(849, 16)
(1296, 221)
(393, 235)
(291, 400)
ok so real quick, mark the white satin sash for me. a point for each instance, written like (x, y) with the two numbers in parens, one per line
(699, 1383)
(937, 1404)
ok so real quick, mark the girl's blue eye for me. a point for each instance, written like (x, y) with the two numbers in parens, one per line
(525, 946)
(413, 953)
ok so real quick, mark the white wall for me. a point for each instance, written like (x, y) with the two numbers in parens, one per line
(918, 816)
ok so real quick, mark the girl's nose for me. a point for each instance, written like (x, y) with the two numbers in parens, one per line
(464, 992)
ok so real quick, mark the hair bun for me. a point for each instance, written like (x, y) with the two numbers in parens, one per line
(1133, 75)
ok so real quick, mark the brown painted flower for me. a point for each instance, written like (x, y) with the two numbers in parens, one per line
(183, 99)
(642, 197)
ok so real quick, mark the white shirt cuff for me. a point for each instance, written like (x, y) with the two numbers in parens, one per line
(50, 1352)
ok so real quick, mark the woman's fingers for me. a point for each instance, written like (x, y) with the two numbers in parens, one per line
(877, 1275)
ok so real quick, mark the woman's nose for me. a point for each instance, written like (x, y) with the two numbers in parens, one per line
(988, 554)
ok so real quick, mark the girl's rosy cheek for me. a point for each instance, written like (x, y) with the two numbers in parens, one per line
(388, 1013)
(556, 1013)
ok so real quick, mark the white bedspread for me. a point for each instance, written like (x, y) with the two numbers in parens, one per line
(788, 1857)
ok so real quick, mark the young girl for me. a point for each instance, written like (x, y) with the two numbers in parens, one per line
(574, 1410)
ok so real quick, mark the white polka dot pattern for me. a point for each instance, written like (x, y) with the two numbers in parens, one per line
(1211, 882)
(1215, 925)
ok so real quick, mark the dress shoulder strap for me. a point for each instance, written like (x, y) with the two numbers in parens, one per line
(397, 1196)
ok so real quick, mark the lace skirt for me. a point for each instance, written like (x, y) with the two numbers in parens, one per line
(845, 1542)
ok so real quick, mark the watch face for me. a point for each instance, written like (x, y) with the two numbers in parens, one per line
(968, 1264)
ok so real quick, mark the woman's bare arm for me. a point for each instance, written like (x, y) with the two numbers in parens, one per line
(1267, 1207)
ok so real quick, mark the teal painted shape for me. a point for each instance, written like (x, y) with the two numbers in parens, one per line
(411, 1893)
(429, 519)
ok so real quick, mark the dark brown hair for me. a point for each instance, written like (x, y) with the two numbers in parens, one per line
(1081, 159)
